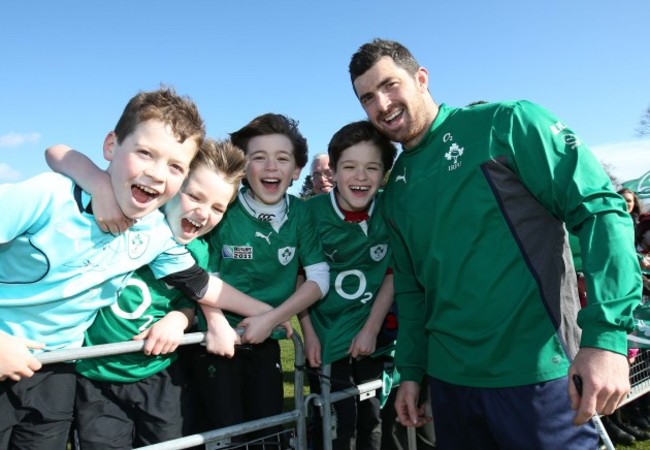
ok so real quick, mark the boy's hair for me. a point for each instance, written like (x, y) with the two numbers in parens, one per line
(368, 54)
(273, 124)
(222, 157)
(355, 133)
(180, 113)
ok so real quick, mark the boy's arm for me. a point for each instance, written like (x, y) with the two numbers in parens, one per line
(221, 295)
(166, 334)
(92, 179)
(16, 361)
(259, 328)
(312, 343)
(365, 341)
(220, 337)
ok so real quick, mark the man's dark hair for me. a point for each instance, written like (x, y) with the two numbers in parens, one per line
(273, 124)
(368, 54)
(355, 133)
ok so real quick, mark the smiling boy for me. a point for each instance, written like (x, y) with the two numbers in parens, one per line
(57, 268)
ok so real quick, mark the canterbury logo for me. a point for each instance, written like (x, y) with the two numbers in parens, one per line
(266, 217)
(265, 237)
(401, 177)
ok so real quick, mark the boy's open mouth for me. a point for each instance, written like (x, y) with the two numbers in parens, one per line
(143, 194)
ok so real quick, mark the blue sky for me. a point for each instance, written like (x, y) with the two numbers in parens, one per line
(69, 67)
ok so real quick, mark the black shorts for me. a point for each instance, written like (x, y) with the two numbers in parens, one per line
(126, 415)
(36, 412)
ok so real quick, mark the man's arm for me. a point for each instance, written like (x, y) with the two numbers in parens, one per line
(92, 179)
(565, 177)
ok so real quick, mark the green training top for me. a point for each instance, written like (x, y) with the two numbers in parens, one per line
(484, 280)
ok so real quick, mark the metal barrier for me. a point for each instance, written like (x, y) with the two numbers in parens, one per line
(296, 438)
(639, 376)
(324, 400)
(293, 438)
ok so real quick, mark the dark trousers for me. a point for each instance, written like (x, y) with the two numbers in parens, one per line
(36, 412)
(537, 416)
(358, 423)
(247, 387)
(127, 415)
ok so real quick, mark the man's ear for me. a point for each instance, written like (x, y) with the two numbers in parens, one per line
(110, 142)
(422, 75)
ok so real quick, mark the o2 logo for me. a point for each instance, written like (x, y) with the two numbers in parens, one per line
(359, 294)
(138, 313)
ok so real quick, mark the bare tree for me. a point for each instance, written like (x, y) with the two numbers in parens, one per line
(644, 124)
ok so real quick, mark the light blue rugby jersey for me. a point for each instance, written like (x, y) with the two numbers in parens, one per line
(57, 268)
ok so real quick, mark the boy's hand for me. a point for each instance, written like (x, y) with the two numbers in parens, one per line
(257, 328)
(165, 335)
(16, 361)
(363, 344)
(313, 350)
(288, 328)
(107, 213)
(221, 338)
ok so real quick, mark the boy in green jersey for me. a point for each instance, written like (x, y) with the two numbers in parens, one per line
(265, 237)
(483, 193)
(343, 328)
(134, 399)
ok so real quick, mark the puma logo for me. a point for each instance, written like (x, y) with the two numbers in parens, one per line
(265, 237)
(401, 177)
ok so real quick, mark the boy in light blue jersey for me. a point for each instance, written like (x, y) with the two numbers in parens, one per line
(57, 268)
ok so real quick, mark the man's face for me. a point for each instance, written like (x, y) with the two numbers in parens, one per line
(321, 175)
(200, 205)
(271, 167)
(148, 167)
(394, 101)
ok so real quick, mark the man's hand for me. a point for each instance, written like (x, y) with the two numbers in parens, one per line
(606, 381)
(16, 361)
(406, 402)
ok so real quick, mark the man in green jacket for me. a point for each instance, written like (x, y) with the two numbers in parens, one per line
(488, 308)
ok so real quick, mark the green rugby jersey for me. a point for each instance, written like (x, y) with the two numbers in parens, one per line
(251, 256)
(358, 255)
(483, 273)
(143, 301)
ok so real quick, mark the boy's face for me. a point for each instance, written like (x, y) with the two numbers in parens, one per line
(200, 204)
(271, 167)
(148, 167)
(394, 100)
(358, 175)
